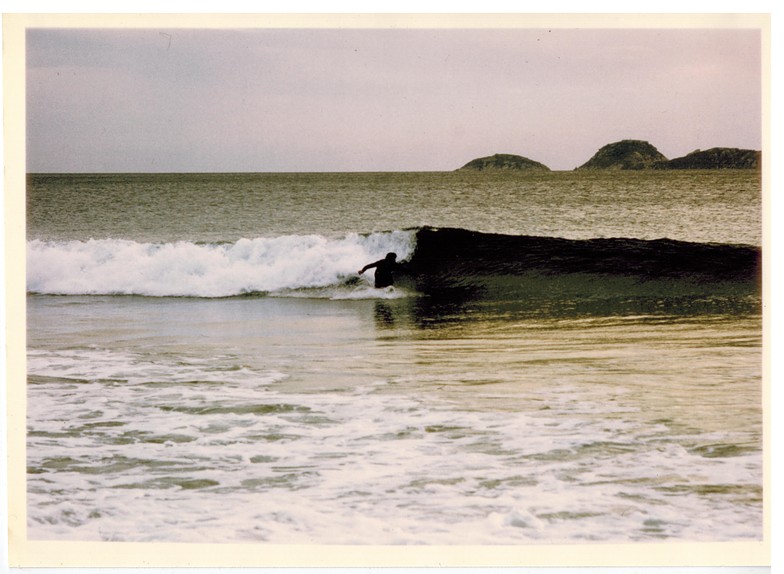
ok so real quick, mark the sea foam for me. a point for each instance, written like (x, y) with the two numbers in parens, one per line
(186, 269)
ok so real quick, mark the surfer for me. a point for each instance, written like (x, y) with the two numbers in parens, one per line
(385, 269)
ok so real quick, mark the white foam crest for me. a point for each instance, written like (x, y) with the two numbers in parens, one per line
(116, 266)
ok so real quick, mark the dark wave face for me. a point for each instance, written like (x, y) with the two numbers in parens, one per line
(608, 275)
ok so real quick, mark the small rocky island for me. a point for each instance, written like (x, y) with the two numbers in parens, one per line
(717, 158)
(625, 154)
(638, 154)
(503, 162)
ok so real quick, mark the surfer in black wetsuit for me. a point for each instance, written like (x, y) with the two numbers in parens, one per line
(385, 269)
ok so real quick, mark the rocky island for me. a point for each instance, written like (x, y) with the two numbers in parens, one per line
(717, 158)
(625, 154)
(629, 155)
(503, 162)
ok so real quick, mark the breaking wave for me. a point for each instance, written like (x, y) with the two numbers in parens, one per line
(186, 269)
(435, 262)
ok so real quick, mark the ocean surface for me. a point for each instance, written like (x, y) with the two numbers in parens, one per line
(565, 357)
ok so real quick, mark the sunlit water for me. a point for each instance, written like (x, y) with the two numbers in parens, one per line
(351, 415)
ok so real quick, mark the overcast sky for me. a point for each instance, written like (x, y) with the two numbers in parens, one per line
(141, 100)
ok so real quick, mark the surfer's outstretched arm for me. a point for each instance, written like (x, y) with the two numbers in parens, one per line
(369, 266)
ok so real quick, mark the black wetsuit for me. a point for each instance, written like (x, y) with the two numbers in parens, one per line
(385, 269)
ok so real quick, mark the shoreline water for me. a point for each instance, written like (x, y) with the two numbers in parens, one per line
(353, 410)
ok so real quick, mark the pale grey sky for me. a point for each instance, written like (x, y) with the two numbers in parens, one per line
(141, 100)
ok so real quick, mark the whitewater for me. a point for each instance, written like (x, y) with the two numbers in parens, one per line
(564, 358)
(186, 269)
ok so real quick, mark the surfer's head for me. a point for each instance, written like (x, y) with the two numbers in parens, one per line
(391, 256)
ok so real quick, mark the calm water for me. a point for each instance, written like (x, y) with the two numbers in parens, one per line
(205, 366)
(700, 206)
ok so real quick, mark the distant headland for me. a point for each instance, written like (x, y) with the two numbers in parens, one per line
(630, 155)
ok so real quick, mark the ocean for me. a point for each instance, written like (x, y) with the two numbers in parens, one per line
(565, 357)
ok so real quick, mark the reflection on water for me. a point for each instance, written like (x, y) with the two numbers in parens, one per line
(384, 315)
(464, 307)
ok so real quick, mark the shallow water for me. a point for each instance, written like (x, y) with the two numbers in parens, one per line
(291, 420)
